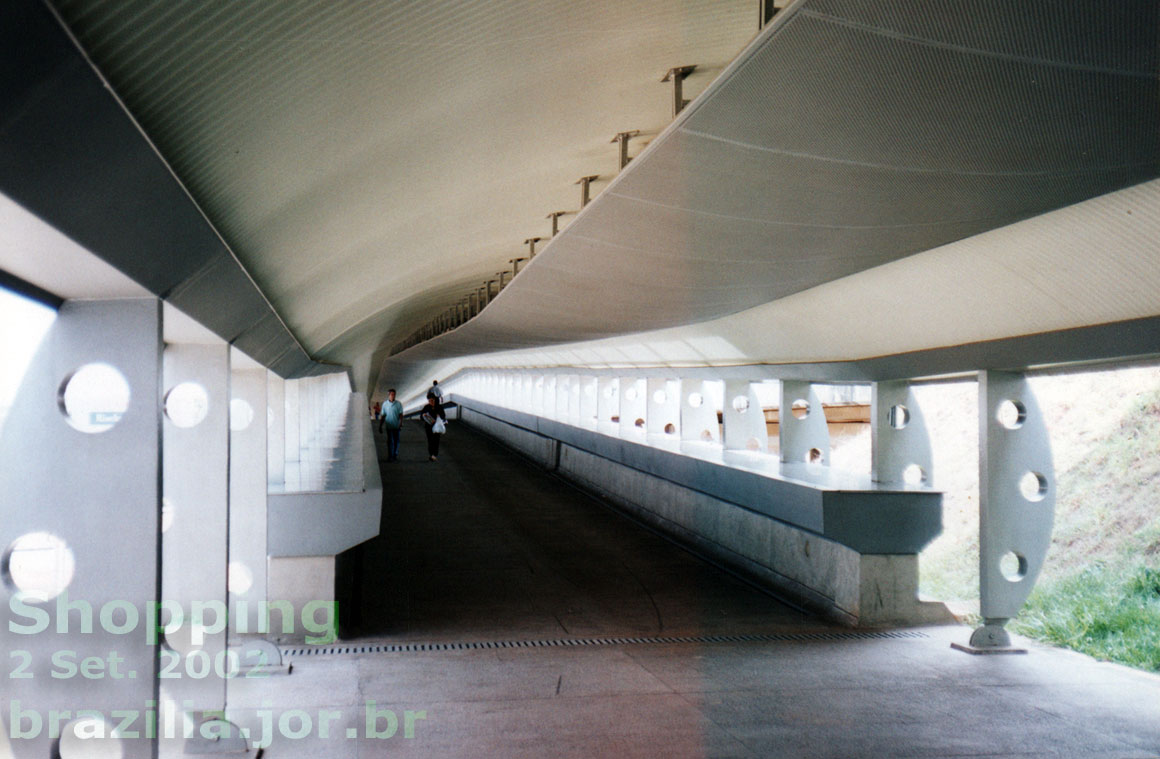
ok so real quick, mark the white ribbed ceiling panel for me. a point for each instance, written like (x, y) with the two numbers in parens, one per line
(845, 138)
(373, 162)
(368, 162)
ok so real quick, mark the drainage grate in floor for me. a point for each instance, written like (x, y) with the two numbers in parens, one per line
(404, 648)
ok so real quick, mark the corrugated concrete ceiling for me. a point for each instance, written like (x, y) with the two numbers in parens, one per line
(1094, 263)
(371, 162)
(848, 137)
(368, 162)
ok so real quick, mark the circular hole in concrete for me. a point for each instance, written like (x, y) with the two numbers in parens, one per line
(187, 404)
(914, 475)
(239, 578)
(696, 400)
(94, 397)
(800, 408)
(1033, 486)
(1013, 566)
(1011, 414)
(741, 404)
(38, 564)
(899, 416)
(241, 414)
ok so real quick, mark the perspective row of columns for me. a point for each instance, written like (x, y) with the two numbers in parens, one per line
(1016, 477)
(135, 521)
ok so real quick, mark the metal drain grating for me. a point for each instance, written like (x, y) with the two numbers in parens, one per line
(405, 648)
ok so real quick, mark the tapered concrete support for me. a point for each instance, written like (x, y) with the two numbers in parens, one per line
(899, 441)
(743, 419)
(664, 407)
(805, 438)
(633, 406)
(1016, 503)
(698, 414)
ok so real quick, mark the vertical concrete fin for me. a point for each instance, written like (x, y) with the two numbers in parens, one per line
(1016, 493)
(899, 438)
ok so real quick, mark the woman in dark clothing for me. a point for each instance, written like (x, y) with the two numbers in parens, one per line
(431, 412)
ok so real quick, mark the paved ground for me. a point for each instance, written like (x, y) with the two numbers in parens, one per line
(483, 548)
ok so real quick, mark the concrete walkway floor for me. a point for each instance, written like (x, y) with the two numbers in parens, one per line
(555, 620)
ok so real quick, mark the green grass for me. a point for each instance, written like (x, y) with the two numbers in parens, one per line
(1110, 613)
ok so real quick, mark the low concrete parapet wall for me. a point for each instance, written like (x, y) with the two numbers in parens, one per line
(734, 526)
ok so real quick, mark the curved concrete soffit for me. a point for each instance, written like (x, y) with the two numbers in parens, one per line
(847, 137)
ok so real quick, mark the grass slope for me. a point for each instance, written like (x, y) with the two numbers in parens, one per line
(1100, 588)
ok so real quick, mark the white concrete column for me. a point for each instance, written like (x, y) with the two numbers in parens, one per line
(899, 442)
(607, 403)
(698, 414)
(195, 507)
(664, 406)
(744, 422)
(589, 392)
(293, 420)
(276, 442)
(248, 489)
(803, 434)
(633, 407)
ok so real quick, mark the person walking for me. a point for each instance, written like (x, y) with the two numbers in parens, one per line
(436, 391)
(434, 423)
(391, 419)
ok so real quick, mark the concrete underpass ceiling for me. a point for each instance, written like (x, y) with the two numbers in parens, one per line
(1094, 263)
(370, 164)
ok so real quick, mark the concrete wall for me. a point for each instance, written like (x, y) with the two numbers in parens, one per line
(799, 565)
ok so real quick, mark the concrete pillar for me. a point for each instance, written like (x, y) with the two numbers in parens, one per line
(743, 419)
(804, 436)
(633, 407)
(195, 512)
(698, 414)
(664, 406)
(248, 488)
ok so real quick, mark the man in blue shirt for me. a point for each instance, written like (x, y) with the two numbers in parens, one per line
(391, 419)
